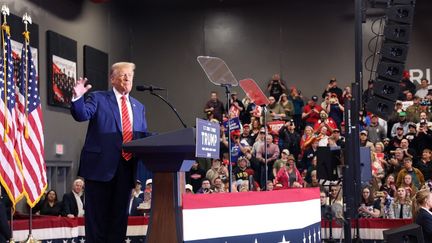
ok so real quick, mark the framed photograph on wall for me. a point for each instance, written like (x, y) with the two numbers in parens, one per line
(96, 68)
(62, 69)
(17, 39)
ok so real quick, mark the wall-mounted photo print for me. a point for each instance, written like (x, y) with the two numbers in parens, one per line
(62, 69)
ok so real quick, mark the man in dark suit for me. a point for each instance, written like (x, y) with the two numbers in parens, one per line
(114, 118)
(424, 215)
(5, 233)
(73, 202)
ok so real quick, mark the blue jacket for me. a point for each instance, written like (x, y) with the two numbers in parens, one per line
(424, 219)
(101, 153)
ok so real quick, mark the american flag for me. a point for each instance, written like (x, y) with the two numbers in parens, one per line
(30, 120)
(10, 173)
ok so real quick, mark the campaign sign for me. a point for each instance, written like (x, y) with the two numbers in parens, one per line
(207, 139)
(234, 123)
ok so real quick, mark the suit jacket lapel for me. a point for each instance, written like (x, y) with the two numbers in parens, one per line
(114, 108)
(135, 111)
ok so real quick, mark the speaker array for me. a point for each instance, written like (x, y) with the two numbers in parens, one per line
(393, 55)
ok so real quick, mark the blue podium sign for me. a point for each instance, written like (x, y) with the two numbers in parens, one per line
(207, 139)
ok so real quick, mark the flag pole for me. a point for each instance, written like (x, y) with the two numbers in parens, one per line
(5, 13)
(27, 20)
(11, 240)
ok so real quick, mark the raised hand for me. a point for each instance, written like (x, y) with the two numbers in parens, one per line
(80, 87)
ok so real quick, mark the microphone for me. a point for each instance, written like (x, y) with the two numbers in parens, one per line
(147, 87)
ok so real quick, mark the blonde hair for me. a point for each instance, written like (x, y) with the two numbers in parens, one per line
(407, 198)
(420, 199)
(119, 65)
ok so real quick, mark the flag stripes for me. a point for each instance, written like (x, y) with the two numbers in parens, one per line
(11, 177)
(30, 120)
(23, 170)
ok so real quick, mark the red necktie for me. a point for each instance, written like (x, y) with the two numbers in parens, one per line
(127, 127)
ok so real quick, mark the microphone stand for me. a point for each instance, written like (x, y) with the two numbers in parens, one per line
(265, 147)
(170, 105)
(228, 92)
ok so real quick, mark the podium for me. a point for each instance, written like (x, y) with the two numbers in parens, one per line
(166, 155)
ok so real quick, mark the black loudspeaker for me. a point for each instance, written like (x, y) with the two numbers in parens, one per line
(365, 164)
(327, 161)
(398, 33)
(403, 14)
(381, 107)
(386, 89)
(411, 233)
(394, 52)
(391, 71)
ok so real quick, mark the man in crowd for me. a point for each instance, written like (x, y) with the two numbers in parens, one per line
(423, 139)
(364, 142)
(114, 118)
(423, 90)
(242, 171)
(376, 133)
(413, 111)
(137, 192)
(396, 140)
(333, 88)
(406, 86)
(325, 121)
(289, 139)
(195, 176)
(134, 202)
(281, 162)
(311, 112)
(272, 155)
(216, 106)
(396, 161)
(236, 108)
(246, 136)
(205, 187)
(402, 123)
(276, 86)
(275, 111)
(424, 164)
(417, 177)
(73, 202)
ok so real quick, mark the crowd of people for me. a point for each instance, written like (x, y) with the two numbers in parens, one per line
(401, 146)
(284, 155)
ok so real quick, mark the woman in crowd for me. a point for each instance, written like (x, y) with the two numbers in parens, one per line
(287, 106)
(50, 205)
(369, 208)
(408, 183)
(401, 207)
(389, 185)
(422, 213)
(378, 172)
(307, 138)
(288, 175)
(335, 109)
(298, 104)
(312, 167)
(256, 127)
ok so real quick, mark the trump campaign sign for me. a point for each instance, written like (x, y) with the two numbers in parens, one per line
(207, 139)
